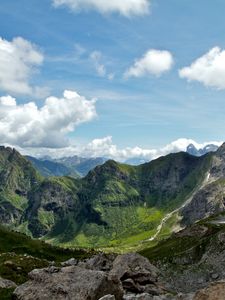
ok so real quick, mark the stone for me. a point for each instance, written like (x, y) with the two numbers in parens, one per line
(133, 265)
(137, 274)
(143, 296)
(99, 262)
(215, 276)
(108, 297)
(69, 262)
(7, 284)
(68, 283)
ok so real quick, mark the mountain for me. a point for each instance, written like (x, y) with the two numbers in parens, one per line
(73, 166)
(116, 206)
(81, 165)
(192, 258)
(48, 168)
(191, 149)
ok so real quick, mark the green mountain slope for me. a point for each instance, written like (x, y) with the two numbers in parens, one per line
(17, 179)
(116, 206)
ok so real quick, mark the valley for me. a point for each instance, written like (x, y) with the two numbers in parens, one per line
(170, 210)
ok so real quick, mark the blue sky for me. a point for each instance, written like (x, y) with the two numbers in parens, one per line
(89, 51)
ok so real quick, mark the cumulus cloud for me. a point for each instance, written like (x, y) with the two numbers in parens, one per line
(154, 62)
(19, 59)
(27, 125)
(124, 7)
(105, 147)
(208, 69)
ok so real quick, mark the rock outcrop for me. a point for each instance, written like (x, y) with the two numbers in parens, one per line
(68, 283)
(137, 274)
(129, 276)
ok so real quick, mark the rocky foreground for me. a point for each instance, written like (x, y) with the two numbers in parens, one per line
(106, 277)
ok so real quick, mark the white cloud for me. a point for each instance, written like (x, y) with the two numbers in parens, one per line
(27, 125)
(19, 59)
(96, 57)
(106, 148)
(124, 7)
(154, 62)
(208, 69)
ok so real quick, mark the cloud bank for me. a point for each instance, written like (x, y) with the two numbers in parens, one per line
(154, 62)
(208, 69)
(126, 8)
(27, 125)
(19, 59)
(106, 148)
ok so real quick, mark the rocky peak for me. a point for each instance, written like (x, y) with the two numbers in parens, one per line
(221, 151)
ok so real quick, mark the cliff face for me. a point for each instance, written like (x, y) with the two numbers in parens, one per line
(210, 198)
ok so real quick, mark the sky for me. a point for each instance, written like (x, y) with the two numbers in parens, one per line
(120, 79)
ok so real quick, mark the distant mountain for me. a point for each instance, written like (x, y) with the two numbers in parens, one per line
(49, 168)
(74, 166)
(191, 149)
(81, 165)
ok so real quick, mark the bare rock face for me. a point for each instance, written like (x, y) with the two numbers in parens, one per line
(7, 284)
(206, 202)
(69, 283)
(216, 291)
(137, 274)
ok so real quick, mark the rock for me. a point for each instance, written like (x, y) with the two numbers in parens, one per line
(7, 284)
(68, 283)
(133, 265)
(137, 274)
(215, 276)
(215, 291)
(108, 297)
(99, 262)
(69, 262)
(143, 296)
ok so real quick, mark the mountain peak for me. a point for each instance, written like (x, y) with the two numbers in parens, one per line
(221, 150)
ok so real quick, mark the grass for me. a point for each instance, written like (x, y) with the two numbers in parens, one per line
(46, 218)
(6, 294)
(127, 226)
(19, 202)
(20, 244)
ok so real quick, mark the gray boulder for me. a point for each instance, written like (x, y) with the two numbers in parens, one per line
(69, 283)
(108, 297)
(7, 284)
(99, 262)
(137, 274)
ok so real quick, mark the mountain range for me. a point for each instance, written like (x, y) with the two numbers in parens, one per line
(76, 166)
(115, 206)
